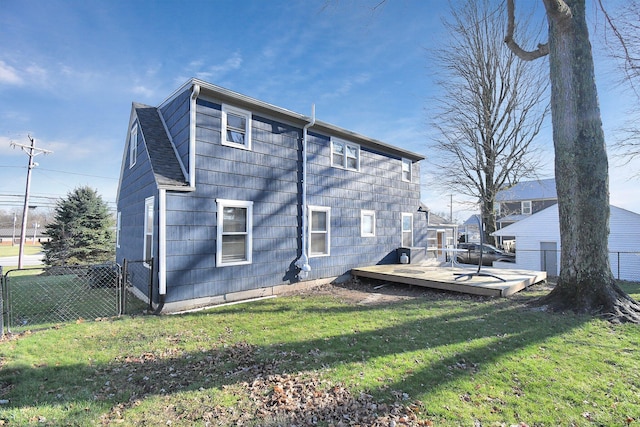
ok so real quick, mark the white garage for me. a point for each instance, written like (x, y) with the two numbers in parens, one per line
(538, 242)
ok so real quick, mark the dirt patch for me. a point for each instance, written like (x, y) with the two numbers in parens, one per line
(372, 292)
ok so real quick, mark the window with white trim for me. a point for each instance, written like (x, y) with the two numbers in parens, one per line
(118, 226)
(148, 230)
(319, 231)
(133, 146)
(367, 223)
(345, 155)
(407, 230)
(406, 170)
(236, 127)
(235, 232)
(526, 207)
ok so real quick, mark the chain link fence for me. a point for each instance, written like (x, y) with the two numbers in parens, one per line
(625, 265)
(44, 296)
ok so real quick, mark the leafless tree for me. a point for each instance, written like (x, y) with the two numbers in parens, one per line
(624, 24)
(491, 109)
(586, 283)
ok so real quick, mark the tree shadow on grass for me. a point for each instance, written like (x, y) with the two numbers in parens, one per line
(446, 344)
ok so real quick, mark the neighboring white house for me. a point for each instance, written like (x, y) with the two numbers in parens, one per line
(538, 242)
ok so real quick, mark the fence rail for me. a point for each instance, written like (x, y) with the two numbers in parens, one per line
(625, 265)
(43, 296)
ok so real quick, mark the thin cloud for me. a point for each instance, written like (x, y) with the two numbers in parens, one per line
(347, 85)
(215, 72)
(143, 91)
(9, 75)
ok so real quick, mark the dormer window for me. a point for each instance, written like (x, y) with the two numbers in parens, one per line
(526, 207)
(236, 127)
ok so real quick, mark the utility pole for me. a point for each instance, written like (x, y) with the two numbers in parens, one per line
(31, 151)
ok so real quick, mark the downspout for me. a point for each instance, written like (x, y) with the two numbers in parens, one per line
(192, 135)
(162, 250)
(303, 262)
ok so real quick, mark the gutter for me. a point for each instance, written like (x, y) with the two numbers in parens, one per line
(303, 262)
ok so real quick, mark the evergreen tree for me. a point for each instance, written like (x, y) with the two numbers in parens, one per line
(81, 231)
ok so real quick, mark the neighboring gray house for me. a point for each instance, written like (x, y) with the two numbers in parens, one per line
(521, 201)
(538, 242)
(233, 197)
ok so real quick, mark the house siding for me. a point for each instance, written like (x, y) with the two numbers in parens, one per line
(136, 184)
(270, 176)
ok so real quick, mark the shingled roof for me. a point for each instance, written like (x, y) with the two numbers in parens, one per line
(529, 190)
(164, 161)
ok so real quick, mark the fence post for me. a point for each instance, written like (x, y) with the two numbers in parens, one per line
(1, 303)
(150, 262)
(122, 285)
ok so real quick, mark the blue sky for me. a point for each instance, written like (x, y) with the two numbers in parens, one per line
(69, 71)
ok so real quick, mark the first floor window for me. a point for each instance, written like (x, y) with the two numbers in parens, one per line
(407, 230)
(406, 170)
(319, 231)
(367, 223)
(236, 127)
(234, 236)
(148, 229)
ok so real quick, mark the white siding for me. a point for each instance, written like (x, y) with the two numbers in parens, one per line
(624, 240)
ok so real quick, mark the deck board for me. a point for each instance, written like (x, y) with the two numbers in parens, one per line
(444, 278)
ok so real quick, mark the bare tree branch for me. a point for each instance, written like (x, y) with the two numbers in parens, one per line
(542, 50)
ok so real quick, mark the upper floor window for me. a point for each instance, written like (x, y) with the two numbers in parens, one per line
(367, 223)
(526, 207)
(234, 235)
(236, 127)
(133, 146)
(345, 154)
(319, 231)
(406, 170)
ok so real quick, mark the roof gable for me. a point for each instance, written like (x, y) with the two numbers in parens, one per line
(165, 164)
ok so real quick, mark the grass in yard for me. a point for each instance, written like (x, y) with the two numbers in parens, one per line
(8, 250)
(449, 359)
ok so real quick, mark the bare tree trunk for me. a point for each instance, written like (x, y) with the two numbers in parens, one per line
(586, 283)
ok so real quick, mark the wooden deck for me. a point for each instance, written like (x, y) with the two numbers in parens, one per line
(453, 278)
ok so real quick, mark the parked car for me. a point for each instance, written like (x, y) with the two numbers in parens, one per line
(490, 254)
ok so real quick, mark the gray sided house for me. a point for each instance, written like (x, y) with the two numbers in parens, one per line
(232, 197)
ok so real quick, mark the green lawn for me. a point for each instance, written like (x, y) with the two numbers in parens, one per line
(437, 359)
(8, 250)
